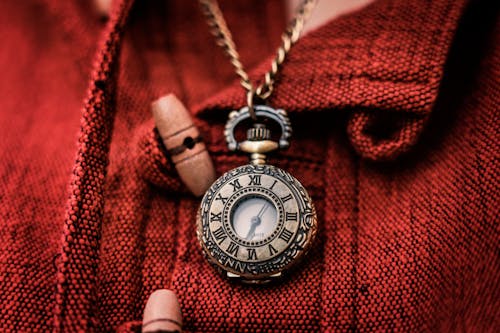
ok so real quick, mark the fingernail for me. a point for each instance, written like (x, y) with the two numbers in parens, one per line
(162, 313)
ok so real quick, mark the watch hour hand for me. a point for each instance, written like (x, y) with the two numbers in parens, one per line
(254, 223)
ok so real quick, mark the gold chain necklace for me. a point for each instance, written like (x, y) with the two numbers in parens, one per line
(224, 39)
(256, 221)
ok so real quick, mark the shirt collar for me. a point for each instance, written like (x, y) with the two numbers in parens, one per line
(386, 59)
(385, 56)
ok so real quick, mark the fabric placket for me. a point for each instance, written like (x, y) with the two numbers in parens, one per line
(77, 265)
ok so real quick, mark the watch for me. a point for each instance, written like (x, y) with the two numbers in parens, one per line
(256, 221)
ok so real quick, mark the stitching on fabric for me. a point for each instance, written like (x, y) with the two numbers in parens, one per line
(374, 78)
(176, 260)
(294, 158)
(142, 245)
(355, 248)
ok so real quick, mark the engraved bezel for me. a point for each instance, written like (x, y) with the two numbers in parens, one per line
(259, 260)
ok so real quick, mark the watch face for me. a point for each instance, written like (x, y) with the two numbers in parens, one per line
(256, 221)
(254, 217)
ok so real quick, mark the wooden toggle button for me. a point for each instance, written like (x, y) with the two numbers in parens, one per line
(102, 7)
(184, 144)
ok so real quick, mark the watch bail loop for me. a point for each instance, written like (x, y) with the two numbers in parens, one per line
(279, 116)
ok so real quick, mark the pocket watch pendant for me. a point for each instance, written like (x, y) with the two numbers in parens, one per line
(256, 221)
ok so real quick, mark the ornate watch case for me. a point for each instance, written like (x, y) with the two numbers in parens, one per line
(256, 221)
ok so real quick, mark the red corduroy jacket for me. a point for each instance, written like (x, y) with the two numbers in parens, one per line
(395, 112)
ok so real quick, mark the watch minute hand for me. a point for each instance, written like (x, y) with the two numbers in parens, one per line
(262, 210)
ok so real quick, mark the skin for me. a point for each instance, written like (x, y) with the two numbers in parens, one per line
(326, 10)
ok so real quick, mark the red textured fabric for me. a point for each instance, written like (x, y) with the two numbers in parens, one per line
(395, 115)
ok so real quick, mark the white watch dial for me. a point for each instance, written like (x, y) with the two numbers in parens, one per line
(254, 218)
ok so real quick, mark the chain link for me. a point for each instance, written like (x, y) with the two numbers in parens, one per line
(224, 39)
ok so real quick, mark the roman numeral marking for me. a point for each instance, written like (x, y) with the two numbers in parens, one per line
(286, 235)
(236, 185)
(272, 250)
(220, 197)
(254, 180)
(233, 249)
(291, 216)
(273, 184)
(216, 217)
(220, 235)
(252, 254)
(288, 197)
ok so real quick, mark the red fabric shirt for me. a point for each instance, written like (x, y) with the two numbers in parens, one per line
(395, 116)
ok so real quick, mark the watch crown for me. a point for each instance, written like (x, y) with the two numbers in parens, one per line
(258, 133)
